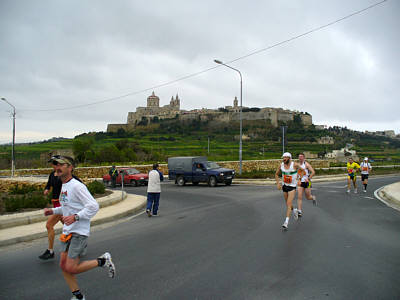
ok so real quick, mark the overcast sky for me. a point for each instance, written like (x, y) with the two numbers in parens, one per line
(60, 54)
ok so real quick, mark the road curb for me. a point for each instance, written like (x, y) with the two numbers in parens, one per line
(129, 206)
(18, 219)
(385, 196)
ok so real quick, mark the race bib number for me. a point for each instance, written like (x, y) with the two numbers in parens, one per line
(365, 169)
(351, 171)
(287, 179)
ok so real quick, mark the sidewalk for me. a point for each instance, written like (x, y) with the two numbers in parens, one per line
(390, 195)
(23, 227)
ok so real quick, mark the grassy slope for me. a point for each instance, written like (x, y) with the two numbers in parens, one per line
(167, 139)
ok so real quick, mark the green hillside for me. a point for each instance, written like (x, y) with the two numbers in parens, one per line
(161, 139)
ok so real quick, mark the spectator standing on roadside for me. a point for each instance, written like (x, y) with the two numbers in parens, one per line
(154, 191)
(77, 208)
(113, 174)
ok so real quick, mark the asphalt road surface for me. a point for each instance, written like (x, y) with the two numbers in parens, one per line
(227, 243)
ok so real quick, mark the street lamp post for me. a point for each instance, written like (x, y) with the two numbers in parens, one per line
(13, 140)
(283, 138)
(240, 112)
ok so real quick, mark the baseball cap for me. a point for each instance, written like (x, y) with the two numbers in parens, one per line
(53, 158)
(287, 154)
(365, 158)
(63, 160)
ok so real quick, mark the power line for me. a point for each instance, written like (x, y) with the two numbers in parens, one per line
(212, 68)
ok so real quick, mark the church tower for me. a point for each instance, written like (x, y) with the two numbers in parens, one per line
(235, 102)
(153, 101)
(175, 103)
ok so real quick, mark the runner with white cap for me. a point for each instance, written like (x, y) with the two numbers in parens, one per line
(365, 170)
(288, 169)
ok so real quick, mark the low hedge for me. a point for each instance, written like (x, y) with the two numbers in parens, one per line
(96, 187)
(24, 196)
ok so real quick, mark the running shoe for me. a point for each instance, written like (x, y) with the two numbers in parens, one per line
(348, 191)
(365, 191)
(285, 225)
(109, 264)
(355, 191)
(148, 212)
(74, 298)
(46, 255)
(299, 213)
(314, 200)
(295, 214)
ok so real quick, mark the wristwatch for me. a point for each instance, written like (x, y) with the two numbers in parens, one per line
(76, 217)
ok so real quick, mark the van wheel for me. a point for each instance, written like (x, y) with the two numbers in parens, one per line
(180, 181)
(134, 182)
(212, 181)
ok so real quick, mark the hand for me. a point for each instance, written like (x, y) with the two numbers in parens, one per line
(46, 192)
(278, 185)
(68, 220)
(48, 211)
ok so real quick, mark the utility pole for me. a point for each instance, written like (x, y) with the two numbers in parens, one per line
(283, 138)
(13, 139)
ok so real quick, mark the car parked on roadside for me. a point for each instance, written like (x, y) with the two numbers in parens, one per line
(131, 177)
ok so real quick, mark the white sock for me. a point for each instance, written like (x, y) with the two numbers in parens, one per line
(287, 220)
(299, 210)
(51, 250)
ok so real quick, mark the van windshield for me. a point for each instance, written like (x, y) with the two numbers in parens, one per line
(212, 165)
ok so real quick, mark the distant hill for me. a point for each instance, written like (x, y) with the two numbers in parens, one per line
(219, 141)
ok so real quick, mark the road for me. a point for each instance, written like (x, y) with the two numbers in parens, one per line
(227, 243)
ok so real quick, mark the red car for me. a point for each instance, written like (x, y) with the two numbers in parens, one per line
(131, 176)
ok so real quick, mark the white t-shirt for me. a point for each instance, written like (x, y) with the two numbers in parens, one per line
(76, 199)
(365, 167)
(154, 185)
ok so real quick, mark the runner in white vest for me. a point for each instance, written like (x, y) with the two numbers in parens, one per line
(366, 168)
(288, 170)
(307, 172)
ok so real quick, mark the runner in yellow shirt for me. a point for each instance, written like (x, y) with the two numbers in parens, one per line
(352, 168)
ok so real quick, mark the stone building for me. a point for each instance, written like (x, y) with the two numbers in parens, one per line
(153, 111)
(326, 140)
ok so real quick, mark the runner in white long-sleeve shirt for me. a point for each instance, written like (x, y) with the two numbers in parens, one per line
(77, 208)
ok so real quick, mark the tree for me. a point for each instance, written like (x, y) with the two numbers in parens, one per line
(81, 147)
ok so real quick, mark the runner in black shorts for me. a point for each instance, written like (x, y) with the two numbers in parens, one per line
(306, 172)
(288, 169)
(366, 168)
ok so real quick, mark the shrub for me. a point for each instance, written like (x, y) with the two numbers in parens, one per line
(23, 189)
(96, 187)
(18, 202)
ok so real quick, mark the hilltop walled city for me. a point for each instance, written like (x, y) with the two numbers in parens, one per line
(226, 114)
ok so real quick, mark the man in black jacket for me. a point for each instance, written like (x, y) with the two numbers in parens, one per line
(55, 183)
(113, 174)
